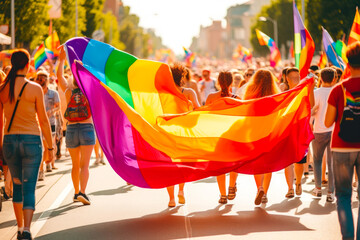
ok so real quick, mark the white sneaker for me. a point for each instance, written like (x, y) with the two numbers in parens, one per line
(330, 197)
(316, 192)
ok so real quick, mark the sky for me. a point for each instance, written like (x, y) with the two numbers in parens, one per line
(178, 21)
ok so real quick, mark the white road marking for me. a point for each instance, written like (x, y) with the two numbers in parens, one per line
(37, 226)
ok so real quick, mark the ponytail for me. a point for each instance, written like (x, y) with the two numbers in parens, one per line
(19, 59)
(225, 80)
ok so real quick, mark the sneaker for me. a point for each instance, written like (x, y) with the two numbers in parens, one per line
(316, 192)
(48, 168)
(83, 198)
(41, 176)
(19, 235)
(259, 196)
(75, 199)
(26, 235)
(330, 197)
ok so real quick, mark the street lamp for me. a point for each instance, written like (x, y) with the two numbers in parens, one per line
(264, 19)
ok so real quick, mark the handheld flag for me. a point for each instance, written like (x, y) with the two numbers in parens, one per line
(355, 29)
(40, 56)
(304, 44)
(52, 43)
(190, 58)
(330, 47)
(275, 56)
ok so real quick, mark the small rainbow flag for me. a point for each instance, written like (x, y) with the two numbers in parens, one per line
(242, 53)
(275, 56)
(340, 48)
(355, 29)
(190, 58)
(52, 43)
(304, 45)
(323, 60)
(40, 56)
(153, 139)
(330, 49)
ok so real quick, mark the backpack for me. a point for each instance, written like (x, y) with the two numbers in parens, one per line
(78, 108)
(350, 121)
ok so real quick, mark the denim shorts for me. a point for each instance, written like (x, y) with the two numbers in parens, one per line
(79, 134)
(23, 154)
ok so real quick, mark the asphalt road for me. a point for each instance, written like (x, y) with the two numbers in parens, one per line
(120, 211)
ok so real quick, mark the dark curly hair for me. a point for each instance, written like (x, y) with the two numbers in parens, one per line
(178, 71)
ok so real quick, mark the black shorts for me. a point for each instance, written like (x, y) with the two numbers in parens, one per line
(64, 133)
(303, 160)
(53, 128)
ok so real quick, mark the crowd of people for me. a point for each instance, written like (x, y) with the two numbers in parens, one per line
(38, 112)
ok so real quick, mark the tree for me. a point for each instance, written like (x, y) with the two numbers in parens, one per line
(31, 17)
(110, 27)
(65, 26)
(336, 16)
(282, 12)
(93, 15)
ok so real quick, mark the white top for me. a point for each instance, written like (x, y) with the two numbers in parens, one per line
(321, 97)
(209, 88)
(241, 91)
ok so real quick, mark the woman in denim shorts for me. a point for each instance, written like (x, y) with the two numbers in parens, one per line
(21, 143)
(80, 137)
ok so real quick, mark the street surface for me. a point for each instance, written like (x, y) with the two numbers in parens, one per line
(121, 211)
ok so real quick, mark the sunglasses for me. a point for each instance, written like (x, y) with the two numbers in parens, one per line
(249, 74)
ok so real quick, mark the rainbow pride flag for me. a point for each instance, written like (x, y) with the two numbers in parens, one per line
(52, 43)
(242, 53)
(304, 44)
(330, 49)
(151, 136)
(275, 56)
(40, 56)
(355, 29)
(340, 48)
(190, 58)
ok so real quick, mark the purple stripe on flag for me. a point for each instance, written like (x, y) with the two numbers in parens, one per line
(80, 45)
(106, 112)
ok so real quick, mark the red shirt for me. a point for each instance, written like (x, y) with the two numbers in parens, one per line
(336, 99)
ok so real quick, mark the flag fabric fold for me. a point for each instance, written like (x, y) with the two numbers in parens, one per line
(304, 44)
(322, 61)
(330, 49)
(52, 43)
(275, 56)
(152, 138)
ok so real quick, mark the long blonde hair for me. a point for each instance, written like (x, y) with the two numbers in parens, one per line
(262, 84)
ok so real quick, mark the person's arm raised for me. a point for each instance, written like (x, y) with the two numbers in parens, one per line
(60, 72)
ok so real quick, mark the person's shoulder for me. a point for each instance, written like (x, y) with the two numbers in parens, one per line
(34, 86)
(189, 90)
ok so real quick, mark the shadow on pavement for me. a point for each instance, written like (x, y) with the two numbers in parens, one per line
(165, 225)
(122, 189)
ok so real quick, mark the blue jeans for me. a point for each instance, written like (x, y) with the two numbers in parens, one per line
(343, 167)
(79, 134)
(319, 144)
(23, 154)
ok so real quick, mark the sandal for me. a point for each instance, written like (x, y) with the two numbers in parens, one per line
(181, 197)
(290, 193)
(172, 203)
(259, 196)
(232, 193)
(298, 189)
(324, 181)
(223, 199)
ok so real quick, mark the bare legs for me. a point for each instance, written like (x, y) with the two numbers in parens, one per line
(80, 158)
(181, 196)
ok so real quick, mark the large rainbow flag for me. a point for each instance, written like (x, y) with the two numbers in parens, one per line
(153, 139)
(275, 56)
(304, 44)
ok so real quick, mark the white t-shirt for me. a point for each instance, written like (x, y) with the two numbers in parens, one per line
(321, 97)
(241, 91)
(209, 88)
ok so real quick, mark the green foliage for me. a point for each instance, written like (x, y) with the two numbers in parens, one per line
(110, 27)
(336, 16)
(93, 14)
(30, 21)
(281, 11)
(65, 26)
